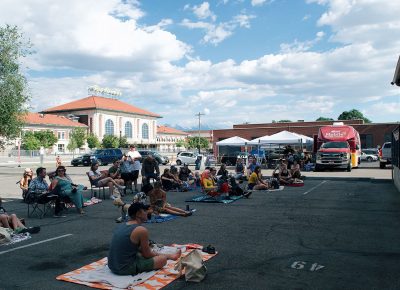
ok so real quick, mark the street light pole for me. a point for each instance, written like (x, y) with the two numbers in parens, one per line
(199, 116)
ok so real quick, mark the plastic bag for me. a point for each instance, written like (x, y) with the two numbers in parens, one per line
(195, 270)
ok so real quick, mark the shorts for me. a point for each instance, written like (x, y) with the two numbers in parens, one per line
(251, 185)
(127, 176)
(140, 265)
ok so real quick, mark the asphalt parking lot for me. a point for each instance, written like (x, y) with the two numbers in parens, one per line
(329, 234)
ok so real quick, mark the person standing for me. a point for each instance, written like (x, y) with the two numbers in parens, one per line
(150, 169)
(58, 161)
(133, 153)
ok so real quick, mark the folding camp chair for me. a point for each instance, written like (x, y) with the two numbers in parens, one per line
(39, 203)
(93, 186)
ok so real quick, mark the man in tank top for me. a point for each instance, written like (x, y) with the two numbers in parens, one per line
(130, 252)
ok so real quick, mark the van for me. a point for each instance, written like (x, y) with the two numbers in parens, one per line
(105, 156)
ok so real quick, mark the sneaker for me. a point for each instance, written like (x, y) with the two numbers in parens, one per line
(59, 216)
(31, 230)
(118, 220)
(247, 194)
(121, 186)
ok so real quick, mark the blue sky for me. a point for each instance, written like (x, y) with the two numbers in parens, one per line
(234, 60)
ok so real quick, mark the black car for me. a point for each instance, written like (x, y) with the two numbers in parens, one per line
(157, 156)
(81, 160)
(102, 156)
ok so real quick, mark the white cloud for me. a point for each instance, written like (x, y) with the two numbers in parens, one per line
(215, 33)
(257, 2)
(103, 42)
(203, 11)
(92, 34)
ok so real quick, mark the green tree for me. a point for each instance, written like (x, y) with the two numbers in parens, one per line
(30, 142)
(78, 135)
(13, 86)
(284, 121)
(353, 115)
(93, 141)
(72, 145)
(193, 142)
(110, 141)
(123, 142)
(180, 143)
(324, 119)
(46, 138)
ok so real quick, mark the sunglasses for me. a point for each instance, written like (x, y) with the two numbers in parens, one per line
(59, 170)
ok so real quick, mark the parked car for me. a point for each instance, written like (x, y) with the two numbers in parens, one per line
(81, 160)
(385, 155)
(368, 157)
(105, 156)
(164, 160)
(186, 157)
(371, 151)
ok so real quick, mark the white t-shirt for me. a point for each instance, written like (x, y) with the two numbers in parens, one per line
(95, 173)
(134, 154)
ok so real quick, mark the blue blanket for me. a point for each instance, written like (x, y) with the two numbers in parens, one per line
(207, 198)
(161, 218)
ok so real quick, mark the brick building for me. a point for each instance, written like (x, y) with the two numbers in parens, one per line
(372, 134)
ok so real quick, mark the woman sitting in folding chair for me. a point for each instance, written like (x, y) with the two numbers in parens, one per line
(68, 188)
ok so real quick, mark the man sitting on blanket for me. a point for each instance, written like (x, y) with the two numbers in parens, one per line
(158, 202)
(130, 252)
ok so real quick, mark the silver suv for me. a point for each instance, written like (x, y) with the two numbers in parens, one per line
(186, 157)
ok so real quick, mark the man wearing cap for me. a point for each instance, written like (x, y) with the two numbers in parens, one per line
(130, 252)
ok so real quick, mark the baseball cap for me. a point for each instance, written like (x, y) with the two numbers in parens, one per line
(135, 207)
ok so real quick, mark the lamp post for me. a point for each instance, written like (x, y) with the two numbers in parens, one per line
(199, 116)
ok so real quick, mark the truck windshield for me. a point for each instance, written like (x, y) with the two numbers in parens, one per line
(334, 145)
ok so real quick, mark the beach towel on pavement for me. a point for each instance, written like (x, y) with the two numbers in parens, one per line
(97, 275)
(281, 187)
(161, 218)
(210, 199)
(16, 238)
(87, 202)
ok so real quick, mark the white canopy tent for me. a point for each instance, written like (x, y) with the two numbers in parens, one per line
(233, 141)
(283, 137)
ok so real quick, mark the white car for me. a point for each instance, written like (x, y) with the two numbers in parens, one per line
(368, 157)
(186, 157)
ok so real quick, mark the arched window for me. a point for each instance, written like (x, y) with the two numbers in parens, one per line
(128, 129)
(145, 131)
(109, 127)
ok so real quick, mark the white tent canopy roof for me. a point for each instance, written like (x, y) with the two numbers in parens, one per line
(283, 137)
(233, 141)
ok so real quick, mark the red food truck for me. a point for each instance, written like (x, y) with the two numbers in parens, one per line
(337, 146)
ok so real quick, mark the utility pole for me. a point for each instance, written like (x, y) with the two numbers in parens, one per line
(199, 116)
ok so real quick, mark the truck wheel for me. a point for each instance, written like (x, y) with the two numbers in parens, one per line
(317, 168)
(382, 165)
(369, 159)
(178, 162)
(349, 167)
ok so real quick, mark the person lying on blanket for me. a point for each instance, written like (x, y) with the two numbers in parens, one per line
(13, 222)
(255, 180)
(130, 252)
(158, 202)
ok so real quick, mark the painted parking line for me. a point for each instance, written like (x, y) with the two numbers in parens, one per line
(37, 243)
(311, 189)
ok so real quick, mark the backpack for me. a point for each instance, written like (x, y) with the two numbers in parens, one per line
(275, 183)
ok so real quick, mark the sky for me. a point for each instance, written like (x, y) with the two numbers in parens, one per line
(235, 61)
